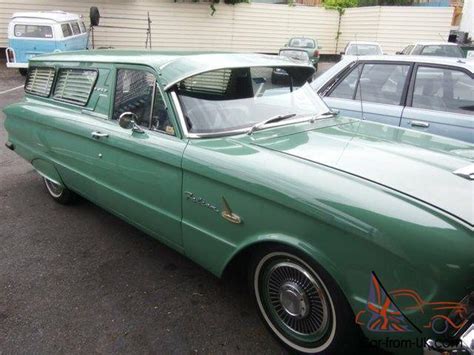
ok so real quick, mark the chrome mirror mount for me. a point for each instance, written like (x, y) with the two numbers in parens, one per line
(127, 121)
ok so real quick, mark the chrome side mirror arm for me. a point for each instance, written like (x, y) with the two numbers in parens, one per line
(127, 121)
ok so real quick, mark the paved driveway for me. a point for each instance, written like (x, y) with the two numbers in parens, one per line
(77, 279)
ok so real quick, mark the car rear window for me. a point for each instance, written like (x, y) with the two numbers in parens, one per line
(75, 85)
(33, 31)
(302, 43)
(39, 81)
(214, 82)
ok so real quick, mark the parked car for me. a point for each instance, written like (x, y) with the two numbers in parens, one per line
(206, 154)
(359, 48)
(428, 94)
(309, 45)
(296, 55)
(439, 49)
(33, 33)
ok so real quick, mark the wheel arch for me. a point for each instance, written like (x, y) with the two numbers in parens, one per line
(47, 170)
(242, 256)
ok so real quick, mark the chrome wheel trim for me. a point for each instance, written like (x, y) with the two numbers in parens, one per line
(280, 335)
(54, 189)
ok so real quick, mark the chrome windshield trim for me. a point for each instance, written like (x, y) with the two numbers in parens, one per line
(179, 111)
(306, 118)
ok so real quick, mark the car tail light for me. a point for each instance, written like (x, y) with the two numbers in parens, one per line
(10, 55)
(316, 53)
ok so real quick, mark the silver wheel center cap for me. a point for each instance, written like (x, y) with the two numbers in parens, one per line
(294, 300)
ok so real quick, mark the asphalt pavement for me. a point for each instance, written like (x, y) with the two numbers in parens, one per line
(77, 279)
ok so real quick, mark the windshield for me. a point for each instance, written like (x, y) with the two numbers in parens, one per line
(363, 49)
(295, 54)
(302, 43)
(442, 51)
(227, 100)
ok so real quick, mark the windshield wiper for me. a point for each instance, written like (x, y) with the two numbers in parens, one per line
(259, 125)
(326, 114)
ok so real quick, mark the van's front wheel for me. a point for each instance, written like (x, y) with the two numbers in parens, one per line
(301, 305)
(59, 193)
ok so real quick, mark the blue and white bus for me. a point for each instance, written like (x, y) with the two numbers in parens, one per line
(33, 33)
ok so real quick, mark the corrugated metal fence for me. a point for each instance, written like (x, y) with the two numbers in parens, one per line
(246, 27)
(395, 26)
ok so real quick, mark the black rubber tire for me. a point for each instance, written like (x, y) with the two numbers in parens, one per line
(23, 71)
(94, 16)
(347, 338)
(64, 197)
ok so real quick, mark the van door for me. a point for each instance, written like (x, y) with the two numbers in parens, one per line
(441, 101)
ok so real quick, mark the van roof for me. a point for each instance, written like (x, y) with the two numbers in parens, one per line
(173, 66)
(56, 16)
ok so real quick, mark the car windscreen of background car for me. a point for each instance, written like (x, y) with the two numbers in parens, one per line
(298, 55)
(231, 99)
(302, 43)
(363, 49)
(442, 51)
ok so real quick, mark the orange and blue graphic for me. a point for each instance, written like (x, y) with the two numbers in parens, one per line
(383, 315)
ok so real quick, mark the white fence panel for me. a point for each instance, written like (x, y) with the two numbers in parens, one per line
(245, 27)
(396, 26)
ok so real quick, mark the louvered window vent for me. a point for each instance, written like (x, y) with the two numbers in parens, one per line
(75, 85)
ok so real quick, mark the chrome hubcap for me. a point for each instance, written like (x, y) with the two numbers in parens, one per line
(297, 299)
(294, 300)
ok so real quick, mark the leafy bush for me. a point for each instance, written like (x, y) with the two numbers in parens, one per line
(340, 4)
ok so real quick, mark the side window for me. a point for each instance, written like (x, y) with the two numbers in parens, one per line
(74, 85)
(83, 27)
(443, 90)
(67, 32)
(160, 120)
(134, 93)
(383, 83)
(39, 81)
(75, 28)
(346, 88)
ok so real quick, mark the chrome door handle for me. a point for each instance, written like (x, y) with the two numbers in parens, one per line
(419, 124)
(98, 135)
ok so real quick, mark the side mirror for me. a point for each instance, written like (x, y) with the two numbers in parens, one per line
(342, 53)
(319, 47)
(398, 52)
(127, 121)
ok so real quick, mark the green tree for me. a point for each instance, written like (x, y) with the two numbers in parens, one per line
(340, 6)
